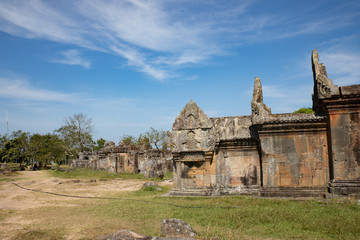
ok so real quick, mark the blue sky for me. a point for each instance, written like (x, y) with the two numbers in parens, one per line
(131, 65)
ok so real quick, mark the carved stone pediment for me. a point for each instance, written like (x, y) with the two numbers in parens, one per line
(259, 111)
(192, 117)
(192, 131)
(323, 86)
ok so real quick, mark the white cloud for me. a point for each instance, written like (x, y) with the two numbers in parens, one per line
(20, 89)
(342, 67)
(156, 37)
(283, 99)
(72, 57)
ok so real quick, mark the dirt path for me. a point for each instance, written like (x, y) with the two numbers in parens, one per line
(14, 198)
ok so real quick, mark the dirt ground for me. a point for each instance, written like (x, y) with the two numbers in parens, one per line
(14, 199)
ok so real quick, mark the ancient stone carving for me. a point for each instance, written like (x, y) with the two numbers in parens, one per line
(259, 111)
(323, 86)
(192, 117)
(192, 131)
(192, 157)
(191, 142)
(284, 155)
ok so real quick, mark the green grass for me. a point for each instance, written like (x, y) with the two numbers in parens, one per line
(48, 234)
(248, 218)
(89, 173)
(251, 217)
(228, 217)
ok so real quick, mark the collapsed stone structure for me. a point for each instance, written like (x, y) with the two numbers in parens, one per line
(294, 155)
(126, 159)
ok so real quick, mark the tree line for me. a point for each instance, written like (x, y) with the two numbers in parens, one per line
(74, 136)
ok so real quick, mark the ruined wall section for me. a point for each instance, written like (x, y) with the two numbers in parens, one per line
(237, 157)
(341, 105)
(294, 150)
(344, 133)
(213, 156)
(154, 163)
(294, 154)
(126, 159)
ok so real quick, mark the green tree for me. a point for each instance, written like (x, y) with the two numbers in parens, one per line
(143, 142)
(128, 140)
(304, 110)
(3, 141)
(46, 148)
(15, 148)
(100, 144)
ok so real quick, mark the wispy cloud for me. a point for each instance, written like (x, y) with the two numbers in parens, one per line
(72, 57)
(21, 89)
(155, 37)
(342, 67)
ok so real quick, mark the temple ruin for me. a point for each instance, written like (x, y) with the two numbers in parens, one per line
(287, 155)
(126, 159)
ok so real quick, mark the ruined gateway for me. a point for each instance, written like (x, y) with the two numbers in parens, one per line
(286, 155)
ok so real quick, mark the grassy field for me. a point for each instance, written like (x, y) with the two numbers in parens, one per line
(230, 217)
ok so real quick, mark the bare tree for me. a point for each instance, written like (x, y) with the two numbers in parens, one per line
(76, 133)
(157, 138)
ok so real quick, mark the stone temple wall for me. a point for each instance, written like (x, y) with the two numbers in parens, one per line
(287, 155)
(126, 159)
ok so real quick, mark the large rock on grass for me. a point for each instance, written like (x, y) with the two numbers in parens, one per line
(176, 228)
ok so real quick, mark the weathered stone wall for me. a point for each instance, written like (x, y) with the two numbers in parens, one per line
(237, 167)
(126, 159)
(153, 163)
(291, 155)
(344, 134)
(294, 155)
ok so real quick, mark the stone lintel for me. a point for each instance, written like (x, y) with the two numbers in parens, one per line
(238, 144)
(342, 105)
(193, 156)
(292, 127)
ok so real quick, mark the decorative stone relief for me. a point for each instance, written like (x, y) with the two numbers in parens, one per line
(191, 142)
(259, 111)
(192, 117)
(192, 131)
(323, 86)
